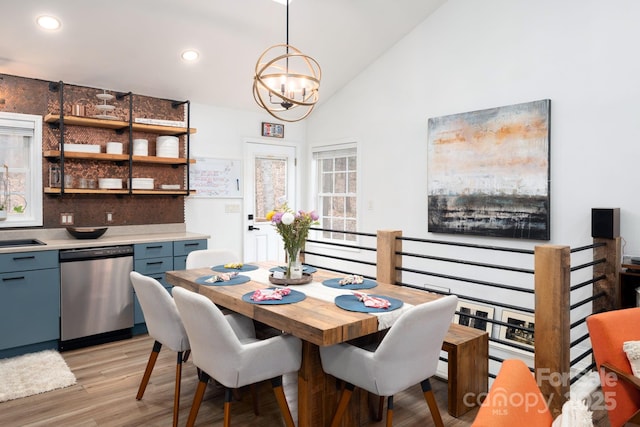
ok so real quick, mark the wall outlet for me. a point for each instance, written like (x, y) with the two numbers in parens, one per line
(232, 208)
(109, 217)
(66, 218)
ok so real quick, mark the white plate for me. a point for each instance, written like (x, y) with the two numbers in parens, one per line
(110, 183)
(105, 107)
(105, 116)
(105, 96)
(170, 186)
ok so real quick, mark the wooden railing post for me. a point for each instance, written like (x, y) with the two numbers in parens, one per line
(552, 323)
(387, 260)
(612, 253)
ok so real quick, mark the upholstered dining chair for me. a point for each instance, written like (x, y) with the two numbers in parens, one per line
(608, 332)
(164, 326)
(407, 355)
(209, 257)
(234, 359)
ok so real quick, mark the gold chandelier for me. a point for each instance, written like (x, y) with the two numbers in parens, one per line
(286, 81)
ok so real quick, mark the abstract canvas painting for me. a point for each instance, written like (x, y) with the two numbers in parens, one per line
(488, 172)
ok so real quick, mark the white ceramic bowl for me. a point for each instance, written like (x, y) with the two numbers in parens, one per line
(142, 183)
(114, 147)
(167, 146)
(140, 147)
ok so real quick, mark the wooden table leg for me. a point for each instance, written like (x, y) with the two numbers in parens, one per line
(318, 394)
(311, 388)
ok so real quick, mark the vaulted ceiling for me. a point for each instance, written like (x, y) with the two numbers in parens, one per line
(135, 45)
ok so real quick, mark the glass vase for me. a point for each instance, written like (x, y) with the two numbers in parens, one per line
(294, 266)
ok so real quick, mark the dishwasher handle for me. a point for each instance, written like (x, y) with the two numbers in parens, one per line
(95, 253)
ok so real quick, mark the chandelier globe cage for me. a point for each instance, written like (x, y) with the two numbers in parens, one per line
(286, 81)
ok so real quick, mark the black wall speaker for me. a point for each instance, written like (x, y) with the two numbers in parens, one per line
(605, 222)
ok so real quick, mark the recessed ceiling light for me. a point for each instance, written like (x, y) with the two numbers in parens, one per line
(48, 22)
(190, 55)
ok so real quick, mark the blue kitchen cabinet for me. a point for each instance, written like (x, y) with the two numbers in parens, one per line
(182, 248)
(29, 302)
(153, 260)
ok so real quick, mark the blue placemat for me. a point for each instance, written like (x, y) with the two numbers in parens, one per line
(294, 296)
(351, 303)
(245, 267)
(234, 281)
(305, 269)
(333, 283)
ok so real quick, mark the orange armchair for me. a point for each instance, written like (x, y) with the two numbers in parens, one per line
(514, 400)
(608, 331)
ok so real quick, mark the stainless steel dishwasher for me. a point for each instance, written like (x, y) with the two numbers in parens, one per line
(96, 297)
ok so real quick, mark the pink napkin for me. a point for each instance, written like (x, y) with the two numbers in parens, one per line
(270, 294)
(352, 279)
(221, 277)
(370, 301)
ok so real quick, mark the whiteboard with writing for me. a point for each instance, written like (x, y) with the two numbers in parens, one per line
(211, 177)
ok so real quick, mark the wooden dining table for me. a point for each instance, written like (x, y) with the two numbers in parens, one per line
(317, 322)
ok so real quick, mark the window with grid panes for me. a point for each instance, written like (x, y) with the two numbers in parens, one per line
(336, 185)
(21, 169)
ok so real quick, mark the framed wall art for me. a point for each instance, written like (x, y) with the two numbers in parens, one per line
(514, 332)
(474, 315)
(488, 172)
(275, 130)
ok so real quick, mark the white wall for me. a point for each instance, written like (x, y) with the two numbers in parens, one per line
(473, 55)
(221, 133)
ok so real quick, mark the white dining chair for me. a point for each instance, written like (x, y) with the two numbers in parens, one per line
(407, 355)
(209, 257)
(233, 360)
(164, 326)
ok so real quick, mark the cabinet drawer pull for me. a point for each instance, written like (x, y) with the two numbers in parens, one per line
(154, 247)
(22, 258)
(192, 244)
(10, 279)
(155, 263)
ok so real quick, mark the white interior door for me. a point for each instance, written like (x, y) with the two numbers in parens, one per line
(270, 178)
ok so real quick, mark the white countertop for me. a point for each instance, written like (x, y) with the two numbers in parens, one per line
(59, 238)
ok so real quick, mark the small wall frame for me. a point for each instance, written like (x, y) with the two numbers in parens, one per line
(515, 333)
(273, 130)
(474, 315)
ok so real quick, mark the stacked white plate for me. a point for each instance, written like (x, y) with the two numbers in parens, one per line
(82, 148)
(167, 146)
(142, 183)
(110, 183)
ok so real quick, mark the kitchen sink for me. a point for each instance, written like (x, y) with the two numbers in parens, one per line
(20, 242)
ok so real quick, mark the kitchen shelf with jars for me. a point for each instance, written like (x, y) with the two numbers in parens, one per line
(126, 160)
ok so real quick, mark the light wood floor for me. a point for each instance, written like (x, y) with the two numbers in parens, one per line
(108, 377)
